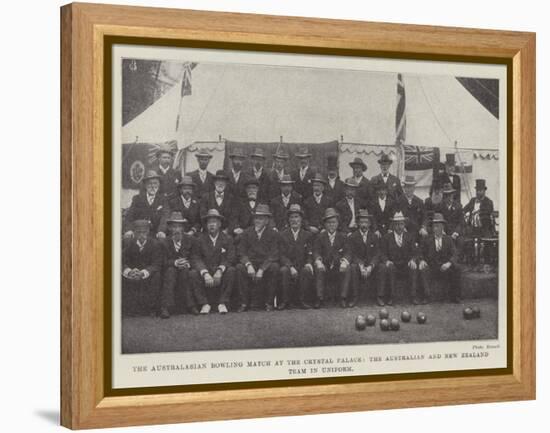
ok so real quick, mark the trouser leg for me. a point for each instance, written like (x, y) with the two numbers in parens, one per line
(304, 283)
(383, 273)
(199, 289)
(344, 279)
(413, 281)
(320, 277)
(425, 279)
(190, 279)
(243, 282)
(270, 282)
(152, 291)
(168, 288)
(285, 283)
(228, 280)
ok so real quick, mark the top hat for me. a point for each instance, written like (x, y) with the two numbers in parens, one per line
(318, 177)
(186, 181)
(294, 208)
(480, 184)
(302, 152)
(251, 180)
(398, 217)
(280, 154)
(358, 161)
(450, 159)
(332, 162)
(364, 213)
(409, 180)
(385, 159)
(203, 153)
(141, 224)
(221, 175)
(212, 213)
(165, 148)
(330, 213)
(350, 181)
(262, 210)
(176, 218)
(258, 153)
(237, 153)
(438, 218)
(448, 189)
(150, 174)
(286, 179)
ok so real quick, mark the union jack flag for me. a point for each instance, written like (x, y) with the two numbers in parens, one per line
(419, 157)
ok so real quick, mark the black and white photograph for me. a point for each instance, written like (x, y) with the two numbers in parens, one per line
(344, 215)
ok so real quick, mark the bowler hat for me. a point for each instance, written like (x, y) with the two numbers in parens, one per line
(448, 189)
(221, 175)
(358, 161)
(480, 184)
(330, 213)
(385, 159)
(262, 210)
(280, 154)
(438, 218)
(302, 152)
(286, 179)
(409, 180)
(176, 218)
(141, 224)
(150, 174)
(351, 182)
(318, 177)
(186, 181)
(203, 153)
(251, 180)
(258, 153)
(364, 213)
(295, 208)
(237, 153)
(213, 213)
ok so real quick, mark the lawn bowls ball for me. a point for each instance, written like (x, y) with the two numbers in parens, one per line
(405, 316)
(421, 318)
(384, 325)
(394, 325)
(360, 323)
(477, 312)
(468, 313)
(371, 320)
(384, 314)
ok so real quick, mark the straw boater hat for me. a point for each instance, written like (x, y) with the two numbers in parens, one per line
(212, 213)
(203, 153)
(480, 184)
(330, 213)
(176, 218)
(165, 148)
(318, 177)
(438, 218)
(150, 174)
(302, 152)
(294, 208)
(280, 154)
(258, 153)
(409, 180)
(351, 182)
(385, 159)
(262, 210)
(221, 175)
(364, 213)
(141, 224)
(237, 153)
(186, 181)
(358, 161)
(448, 189)
(251, 181)
(398, 217)
(286, 179)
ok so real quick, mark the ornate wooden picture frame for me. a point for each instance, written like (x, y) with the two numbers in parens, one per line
(88, 34)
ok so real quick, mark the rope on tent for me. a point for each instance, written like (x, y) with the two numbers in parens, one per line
(433, 111)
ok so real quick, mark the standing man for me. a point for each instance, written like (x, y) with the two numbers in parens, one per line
(185, 203)
(349, 206)
(201, 176)
(398, 258)
(335, 187)
(412, 208)
(438, 255)
(383, 208)
(303, 174)
(213, 261)
(148, 205)
(392, 183)
(450, 176)
(479, 212)
(221, 200)
(237, 177)
(433, 204)
(331, 258)
(364, 248)
(452, 213)
(281, 203)
(168, 176)
(141, 266)
(178, 275)
(364, 188)
(260, 174)
(258, 265)
(280, 158)
(247, 207)
(316, 205)
(296, 260)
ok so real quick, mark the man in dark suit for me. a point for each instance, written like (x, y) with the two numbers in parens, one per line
(382, 208)
(141, 267)
(364, 248)
(452, 213)
(392, 183)
(433, 204)
(213, 261)
(236, 177)
(168, 176)
(334, 187)
(413, 209)
(303, 174)
(316, 205)
(201, 176)
(185, 203)
(449, 176)
(221, 200)
(332, 260)
(438, 256)
(258, 253)
(259, 173)
(398, 258)
(296, 260)
(178, 250)
(479, 212)
(148, 205)
(364, 188)
(349, 206)
(280, 157)
(280, 203)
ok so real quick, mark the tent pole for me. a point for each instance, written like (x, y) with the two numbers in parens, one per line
(462, 174)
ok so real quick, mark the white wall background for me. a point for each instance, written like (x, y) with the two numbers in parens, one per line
(30, 211)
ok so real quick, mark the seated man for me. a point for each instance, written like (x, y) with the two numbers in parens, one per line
(331, 259)
(178, 250)
(258, 253)
(316, 204)
(438, 255)
(141, 265)
(364, 249)
(213, 261)
(398, 258)
(295, 258)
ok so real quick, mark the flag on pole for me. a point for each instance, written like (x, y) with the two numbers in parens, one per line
(400, 113)
(185, 89)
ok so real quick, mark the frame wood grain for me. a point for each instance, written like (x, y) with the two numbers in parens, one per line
(83, 28)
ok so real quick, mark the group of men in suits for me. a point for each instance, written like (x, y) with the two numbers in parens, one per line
(283, 233)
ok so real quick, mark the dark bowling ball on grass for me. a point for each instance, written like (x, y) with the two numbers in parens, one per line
(371, 320)
(384, 324)
(421, 318)
(384, 314)
(394, 325)
(360, 323)
(467, 313)
(405, 316)
(476, 312)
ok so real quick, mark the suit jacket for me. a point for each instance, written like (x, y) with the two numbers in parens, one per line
(454, 217)
(150, 258)
(274, 187)
(382, 217)
(486, 209)
(191, 214)
(313, 211)
(329, 254)
(364, 253)
(202, 188)
(265, 185)
(399, 255)
(303, 187)
(436, 258)
(186, 251)
(237, 188)
(279, 209)
(260, 252)
(209, 257)
(414, 212)
(140, 209)
(454, 180)
(295, 253)
(393, 183)
(337, 193)
(345, 212)
(430, 208)
(228, 208)
(168, 181)
(365, 192)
